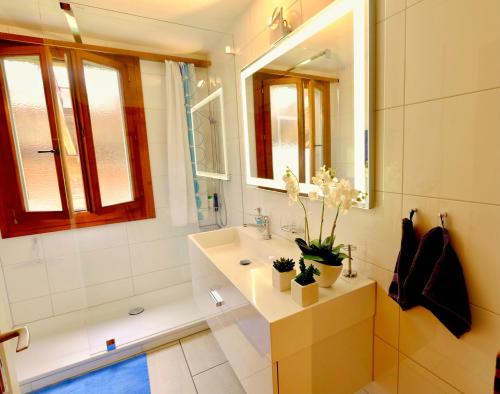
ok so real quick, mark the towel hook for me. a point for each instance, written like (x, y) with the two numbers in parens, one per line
(443, 215)
(413, 211)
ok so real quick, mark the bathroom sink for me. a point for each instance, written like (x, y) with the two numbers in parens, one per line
(225, 248)
(261, 329)
(243, 243)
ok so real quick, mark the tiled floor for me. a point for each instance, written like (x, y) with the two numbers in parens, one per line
(194, 364)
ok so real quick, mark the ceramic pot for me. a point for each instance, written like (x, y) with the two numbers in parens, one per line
(305, 295)
(329, 273)
(282, 280)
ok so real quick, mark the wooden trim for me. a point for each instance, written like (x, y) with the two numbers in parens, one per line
(284, 73)
(103, 49)
(14, 220)
(21, 211)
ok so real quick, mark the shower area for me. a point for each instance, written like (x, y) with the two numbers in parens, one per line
(91, 296)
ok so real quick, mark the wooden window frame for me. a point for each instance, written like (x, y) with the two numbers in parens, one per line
(15, 220)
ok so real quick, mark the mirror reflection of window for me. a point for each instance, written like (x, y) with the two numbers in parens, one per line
(292, 124)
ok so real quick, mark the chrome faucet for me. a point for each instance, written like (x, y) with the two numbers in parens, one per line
(262, 222)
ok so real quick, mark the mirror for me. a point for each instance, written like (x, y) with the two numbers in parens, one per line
(307, 102)
(210, 137)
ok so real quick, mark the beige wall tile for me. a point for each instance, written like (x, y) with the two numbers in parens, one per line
(467, 363)
(386, 8)
(413, 379)
(451, 146)
(375, 232)
(389, 150)
(390, 62)
(452, 47)
(474, 236)
(386, 317)
(385, 369)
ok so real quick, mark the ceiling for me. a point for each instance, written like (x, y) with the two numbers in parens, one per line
(169, 26)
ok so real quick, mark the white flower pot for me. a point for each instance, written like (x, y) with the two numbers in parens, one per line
(305, 295)
(282, 280)
(329, 273)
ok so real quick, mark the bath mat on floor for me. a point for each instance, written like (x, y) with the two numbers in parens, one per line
(126, 377)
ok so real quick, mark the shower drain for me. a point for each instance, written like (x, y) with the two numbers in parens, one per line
(136, 311)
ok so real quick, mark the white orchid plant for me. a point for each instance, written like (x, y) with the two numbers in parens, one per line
(335, 193)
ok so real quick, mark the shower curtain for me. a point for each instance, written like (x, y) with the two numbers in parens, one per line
(181, 189)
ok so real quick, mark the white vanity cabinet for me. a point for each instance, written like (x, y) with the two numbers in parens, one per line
(273, 344)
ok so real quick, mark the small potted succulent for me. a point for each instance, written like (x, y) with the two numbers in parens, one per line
(332, 193)
(283, 273)
(305, 289)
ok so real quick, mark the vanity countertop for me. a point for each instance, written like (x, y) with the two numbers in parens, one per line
(226, 247)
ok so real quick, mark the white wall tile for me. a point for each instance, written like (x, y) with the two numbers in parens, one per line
(452, 48)
(65, 273)
(160, 191)
(390, 62)
(475, 238)
(26, 280)
(451, 148)
(20, 249)
(386, 317)
(109, 291)
(386, 8)
(466, 363)
(161, 279)
(101, 237)
(156, 126)
(157, 255)
(389, 150)
(31, 310)
(150, 67)
(105, 265)
(69, 301)
(59, 243)
(158, 159)
(385, 369)
(413, 379)
(153, 88)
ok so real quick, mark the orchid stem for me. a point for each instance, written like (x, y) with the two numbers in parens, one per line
(322, 219)
(335, 224)
(306, 222)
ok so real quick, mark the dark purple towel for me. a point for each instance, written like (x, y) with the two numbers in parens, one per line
(497, 376)
(408, 248)
(436, 282)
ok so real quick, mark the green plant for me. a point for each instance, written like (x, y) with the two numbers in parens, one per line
(323, 252)
(283, 264)
(306, 275)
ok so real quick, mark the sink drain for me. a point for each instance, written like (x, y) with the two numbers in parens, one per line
(136, 311)
(245, 262)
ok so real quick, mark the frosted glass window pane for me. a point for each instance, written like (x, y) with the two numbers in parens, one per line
(68, 136)
(109, 133)
(31, 132)
(284, 128)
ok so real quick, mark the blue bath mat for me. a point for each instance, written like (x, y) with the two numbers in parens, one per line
(126, 377)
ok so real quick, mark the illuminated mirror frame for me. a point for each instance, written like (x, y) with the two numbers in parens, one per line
(363, 89)
(213, 96)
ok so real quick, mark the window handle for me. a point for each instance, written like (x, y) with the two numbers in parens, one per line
(54, 151)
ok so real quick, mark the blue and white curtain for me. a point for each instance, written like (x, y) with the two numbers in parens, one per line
(189, 83)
